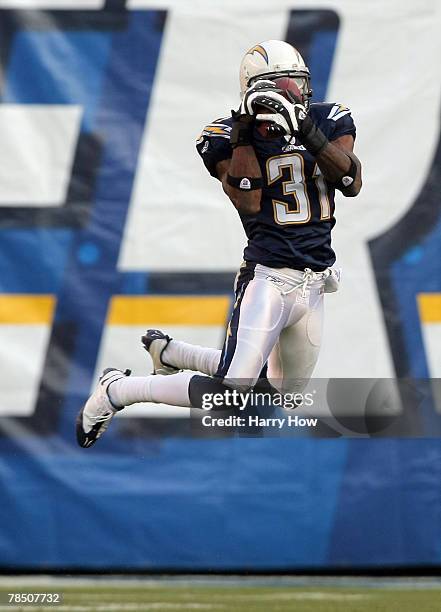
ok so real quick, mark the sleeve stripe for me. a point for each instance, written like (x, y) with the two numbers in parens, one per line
(217, 130)
(337, 112)
(222, 126)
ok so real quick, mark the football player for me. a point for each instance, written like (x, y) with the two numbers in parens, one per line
(279, 159)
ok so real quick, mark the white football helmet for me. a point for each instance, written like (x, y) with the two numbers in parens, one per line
(274, 58)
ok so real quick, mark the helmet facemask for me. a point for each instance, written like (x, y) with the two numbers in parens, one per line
(302, 80)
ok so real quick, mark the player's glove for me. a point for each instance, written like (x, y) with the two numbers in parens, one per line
(243, 119)
(248, 106)
(283, 115)
(291, 119)
(241, 130)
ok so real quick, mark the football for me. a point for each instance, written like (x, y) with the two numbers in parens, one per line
(290, 91)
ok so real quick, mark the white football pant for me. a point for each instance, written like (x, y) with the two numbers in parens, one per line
(275, 329)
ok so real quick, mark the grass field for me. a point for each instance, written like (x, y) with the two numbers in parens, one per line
(231, 596)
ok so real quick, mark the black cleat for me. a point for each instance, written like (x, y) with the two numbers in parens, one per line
(155, 342)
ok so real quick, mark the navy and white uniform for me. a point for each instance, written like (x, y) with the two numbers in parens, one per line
(277, 317)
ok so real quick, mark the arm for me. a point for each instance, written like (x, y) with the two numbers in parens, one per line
(242, 163)
(335, 158)
(334, 162)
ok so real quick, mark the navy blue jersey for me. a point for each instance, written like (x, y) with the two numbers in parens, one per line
(293, 227)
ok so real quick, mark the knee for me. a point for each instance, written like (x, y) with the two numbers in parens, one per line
(243, 385)
(215, 394)
(294, 386)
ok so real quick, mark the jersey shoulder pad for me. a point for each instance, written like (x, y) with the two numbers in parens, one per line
(338, 111)
(218, 128)
(323, 110)
(213, 145)
(334, 119)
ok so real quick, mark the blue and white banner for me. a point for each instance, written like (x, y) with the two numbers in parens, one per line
(109, 224)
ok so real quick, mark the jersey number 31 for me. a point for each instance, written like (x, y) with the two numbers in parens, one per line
(297, 188)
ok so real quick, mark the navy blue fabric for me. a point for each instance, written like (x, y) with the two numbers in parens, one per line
(292, 245)
(246, 274)
(255, 503)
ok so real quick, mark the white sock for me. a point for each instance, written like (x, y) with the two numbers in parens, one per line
(171, 390)
(192, 357)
